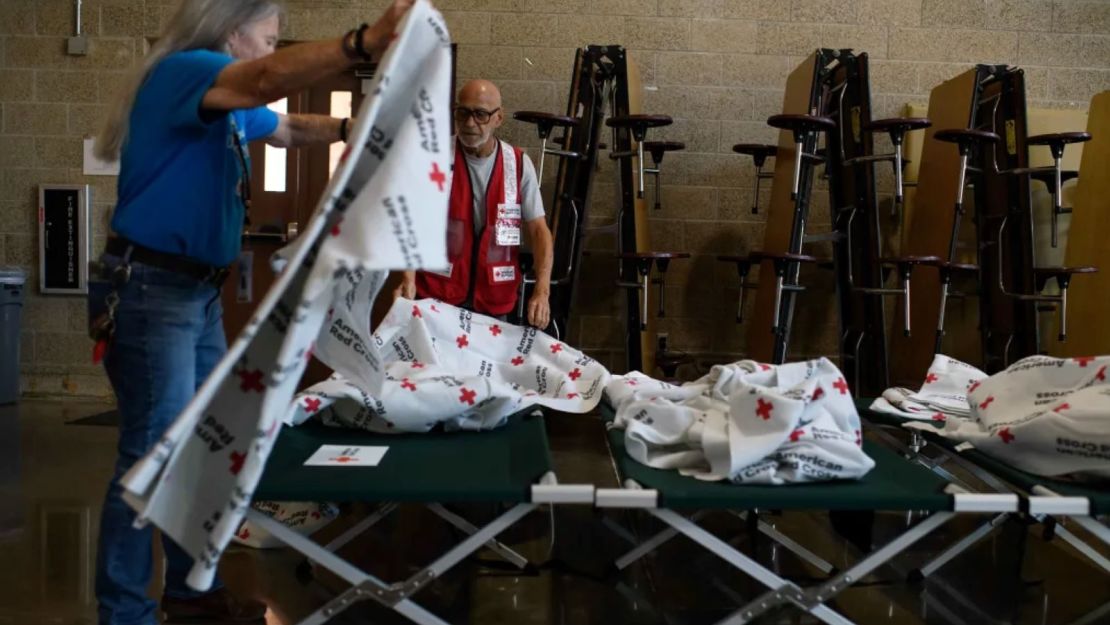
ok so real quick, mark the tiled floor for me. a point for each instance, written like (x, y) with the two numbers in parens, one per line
(52, 477)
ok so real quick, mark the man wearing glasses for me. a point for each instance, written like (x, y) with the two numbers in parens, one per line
(495, 195)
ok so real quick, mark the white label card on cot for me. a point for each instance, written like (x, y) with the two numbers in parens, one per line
(346, 456)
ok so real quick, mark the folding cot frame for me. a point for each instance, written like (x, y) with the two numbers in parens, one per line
(894, 484)
(511, 464)
(1041, 498)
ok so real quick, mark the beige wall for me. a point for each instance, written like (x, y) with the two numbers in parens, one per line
(717, 66)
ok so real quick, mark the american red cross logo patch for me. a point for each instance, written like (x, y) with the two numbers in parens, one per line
(311, 405)
(517, 361)
(237, 460)
(251, 381)
(841, 386)
(575, 374)
(556, 348)
(437, 176)
(467, 396)
(764, 409)
(495, 330)
(932, 377)
(462, 341)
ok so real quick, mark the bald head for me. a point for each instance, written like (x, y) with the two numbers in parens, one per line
(478, 98)
(480, 93)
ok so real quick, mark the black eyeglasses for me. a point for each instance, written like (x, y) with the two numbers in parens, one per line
(481, 116)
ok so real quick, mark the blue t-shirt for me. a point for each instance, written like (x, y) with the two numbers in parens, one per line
(179, 171)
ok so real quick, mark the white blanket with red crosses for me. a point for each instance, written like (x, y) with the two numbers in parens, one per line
(1043, 415)
(445, 365)
(747, 422)
(943, 393)
(385, 208)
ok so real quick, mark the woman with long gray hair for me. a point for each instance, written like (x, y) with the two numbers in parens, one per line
(181, 128)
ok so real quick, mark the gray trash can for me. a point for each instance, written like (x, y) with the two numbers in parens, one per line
(12, 281)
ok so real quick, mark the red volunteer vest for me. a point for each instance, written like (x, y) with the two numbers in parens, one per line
(489, 270)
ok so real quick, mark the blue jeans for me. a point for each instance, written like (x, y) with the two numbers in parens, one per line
(169, 336)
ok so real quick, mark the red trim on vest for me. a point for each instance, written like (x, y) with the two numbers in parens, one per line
(490, 297)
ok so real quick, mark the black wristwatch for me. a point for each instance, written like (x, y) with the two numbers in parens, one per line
(352, 43)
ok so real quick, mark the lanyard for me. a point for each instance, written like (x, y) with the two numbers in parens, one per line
(244, 170)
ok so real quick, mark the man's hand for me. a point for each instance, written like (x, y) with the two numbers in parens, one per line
(539, 309)
(407, 288)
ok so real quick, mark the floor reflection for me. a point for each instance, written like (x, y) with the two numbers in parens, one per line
(52, 478)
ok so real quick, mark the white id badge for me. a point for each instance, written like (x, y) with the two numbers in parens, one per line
(509, 211)
(508, 224)
(508, 233)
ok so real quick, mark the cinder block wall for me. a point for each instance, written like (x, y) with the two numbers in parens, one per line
(717, 66)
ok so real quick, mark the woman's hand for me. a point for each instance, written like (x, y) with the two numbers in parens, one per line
(376, 38)
(407, 287)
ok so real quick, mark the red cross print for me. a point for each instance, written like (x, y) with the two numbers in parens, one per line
(517, 361)
(495, 330)
(416, 364)
(932, 377)
(1063, 406)
(841, 386)
(574, 375)
(336, 230)
(237, 460)
(572, 395)
(311, 405)
(1083, 360)
(251, 381)
(416, 313)
(343, 459)
(556, 348)
(462, 341)
(437, 176)
(796, 434)
(409, 385)
(817, 394)
(972, 388)
(939, 416)
(1101, 375)
(466, 396)
(630, 382)
(1005, 435)
(764, 409)
(764, 367)
(986, 402)
(244, 534)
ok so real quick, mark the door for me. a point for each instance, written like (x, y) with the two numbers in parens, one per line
(286, 184)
